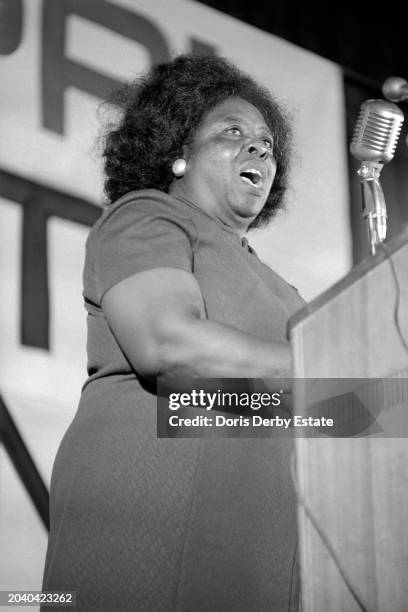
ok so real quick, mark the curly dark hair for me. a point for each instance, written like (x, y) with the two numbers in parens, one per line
(161, 111)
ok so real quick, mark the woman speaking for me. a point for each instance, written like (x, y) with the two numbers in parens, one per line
(172, 290)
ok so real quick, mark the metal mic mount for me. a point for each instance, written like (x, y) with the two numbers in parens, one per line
(374, 207)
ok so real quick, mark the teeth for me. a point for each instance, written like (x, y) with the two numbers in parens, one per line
(252, 175)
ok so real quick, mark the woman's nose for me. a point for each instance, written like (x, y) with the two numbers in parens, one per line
(257, 147)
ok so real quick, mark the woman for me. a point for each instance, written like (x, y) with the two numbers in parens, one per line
(173, 290)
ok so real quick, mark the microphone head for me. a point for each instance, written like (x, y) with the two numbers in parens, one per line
(377, 131)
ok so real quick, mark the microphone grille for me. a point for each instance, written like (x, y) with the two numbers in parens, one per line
(377, 131)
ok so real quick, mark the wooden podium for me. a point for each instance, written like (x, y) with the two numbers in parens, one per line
(353, 515)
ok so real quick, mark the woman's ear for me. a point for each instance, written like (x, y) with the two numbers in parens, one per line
(186, 152)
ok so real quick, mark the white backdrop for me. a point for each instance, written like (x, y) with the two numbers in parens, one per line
(309, 244)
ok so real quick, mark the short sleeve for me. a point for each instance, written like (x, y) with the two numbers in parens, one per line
(139, 234)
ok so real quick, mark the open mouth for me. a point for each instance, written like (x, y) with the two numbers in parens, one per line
(252, 177)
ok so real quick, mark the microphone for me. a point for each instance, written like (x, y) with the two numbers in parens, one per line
(374, 142)
(377, 131)
(395, 89)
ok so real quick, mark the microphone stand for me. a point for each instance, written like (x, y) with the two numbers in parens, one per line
(374, 207)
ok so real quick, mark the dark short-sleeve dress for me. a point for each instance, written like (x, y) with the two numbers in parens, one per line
(147, 524)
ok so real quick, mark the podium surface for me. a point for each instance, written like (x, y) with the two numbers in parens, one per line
(353, 491)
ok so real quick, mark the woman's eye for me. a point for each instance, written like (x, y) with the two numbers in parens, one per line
(234, 130)
(268, 143)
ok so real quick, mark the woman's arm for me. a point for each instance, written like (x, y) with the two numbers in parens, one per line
(158, 318)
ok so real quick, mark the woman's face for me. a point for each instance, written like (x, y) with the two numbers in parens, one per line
(230, 164)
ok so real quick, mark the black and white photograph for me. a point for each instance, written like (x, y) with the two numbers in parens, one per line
(204, 328)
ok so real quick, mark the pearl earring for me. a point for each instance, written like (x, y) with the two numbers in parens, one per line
(179, 167)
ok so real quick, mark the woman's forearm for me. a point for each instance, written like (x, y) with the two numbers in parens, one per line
(208, 349)
(159, 320)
